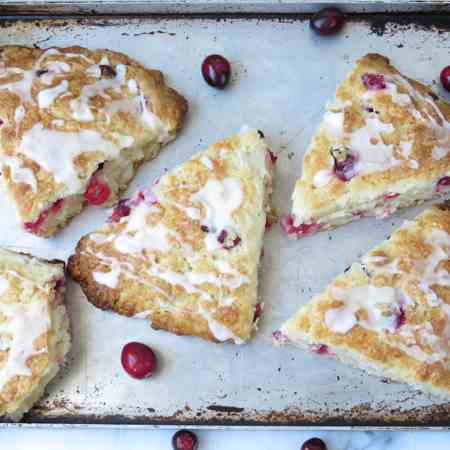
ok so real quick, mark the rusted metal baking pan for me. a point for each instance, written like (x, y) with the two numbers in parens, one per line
(283, 75)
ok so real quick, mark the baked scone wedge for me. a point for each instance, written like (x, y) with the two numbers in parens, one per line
(389, 314)
(383, 144)
(75, 124)
(34, 329)
(184, 253)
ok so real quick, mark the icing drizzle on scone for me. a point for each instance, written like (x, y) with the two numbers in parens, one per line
(61, 117)
(386, 307)
(188, 241)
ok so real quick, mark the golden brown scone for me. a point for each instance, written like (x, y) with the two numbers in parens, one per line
(34, 329)
(390, 314)
(184, 253)
(75, 125)
(383, 144)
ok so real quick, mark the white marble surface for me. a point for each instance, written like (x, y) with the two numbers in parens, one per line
(100, 439)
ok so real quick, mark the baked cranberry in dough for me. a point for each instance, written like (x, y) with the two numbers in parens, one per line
(390, 313)
(383, 144)
(76, 124)
(184, 253)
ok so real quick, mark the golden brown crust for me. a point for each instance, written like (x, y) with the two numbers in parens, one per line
(398, 135)
(72, 90)
(180, 270)
(408, 278)
(32, 291)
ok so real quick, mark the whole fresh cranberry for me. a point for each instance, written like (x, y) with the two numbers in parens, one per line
(314, 444)
(327, 21)
(184, 440)
(98, 191)
(445, 78)
(138, 360)
(374, 81)
(216, 71)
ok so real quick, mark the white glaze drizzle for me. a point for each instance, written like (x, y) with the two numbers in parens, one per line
(25, 322)
(46, 97)
(56, 150)
(219, 199)
(19, 173)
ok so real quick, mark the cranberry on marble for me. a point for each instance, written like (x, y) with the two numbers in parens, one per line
(184, 440)
(321, 349)
(374, 81)
(314, 444)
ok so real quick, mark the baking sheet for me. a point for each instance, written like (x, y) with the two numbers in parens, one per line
(212, 6)
(283, 76)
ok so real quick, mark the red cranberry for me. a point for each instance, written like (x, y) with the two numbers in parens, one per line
(138, 360)
(273, 158)
(60, 283)
(184, 440)
(320, 349)
(401, 317)
(327, 21)
(33, 227)
(56, 207)
(443, 184)
(97, 191)
(258, 311)
(433, 96)
(390, 196)
(122, 209)
(314, 444)
(345, 169)
(374, 81)
(149, 196)
(222, 236)
(235, 242)
(279, 337)
(287, 222)
(216, 71)
(204, 228)
(445, 78)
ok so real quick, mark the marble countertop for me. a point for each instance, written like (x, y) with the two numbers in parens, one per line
(102, 439)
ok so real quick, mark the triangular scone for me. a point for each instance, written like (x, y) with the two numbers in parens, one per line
(184, 253)
(390, 314)
(34, 329)
(383, 144)
(74, 126)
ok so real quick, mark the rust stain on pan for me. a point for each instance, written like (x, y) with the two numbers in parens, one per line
(363, 415)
